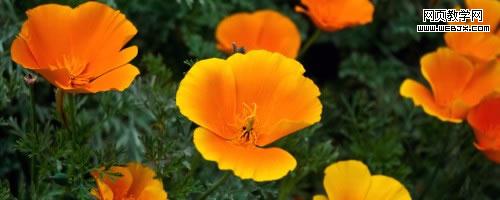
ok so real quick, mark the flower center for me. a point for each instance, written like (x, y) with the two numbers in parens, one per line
(79, 82)
(246, 121)
(75, 67)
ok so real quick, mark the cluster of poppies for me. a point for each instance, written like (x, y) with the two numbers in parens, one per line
(246, 102)
(465, 80)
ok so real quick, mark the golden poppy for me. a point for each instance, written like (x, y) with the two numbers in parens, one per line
(134, 181)
(245, 103)
(77, 50)
(333, 15)
(482, 46)
(264, 29)
(351, 180)
(456, 84)
(485, 120)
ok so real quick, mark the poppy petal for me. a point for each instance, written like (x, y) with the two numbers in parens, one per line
(111, 62)
(347, 180)
(384, 187)
(448, 74)
(22, 54)
(59, 77)
(102, 192)
(301, 110)
(119, 184)
(483, 46)
(492, 153)
(320, 197)
(247, 162)
(280, 35)
(143, 177)
(333, 15)
(239, 28)
(48, 41)
(117, 79)
(265, 29)
(273, 87)
(345, 17)
(485, 119)
(152, 193)
(206, 96)
(491, 11)
(485, 81)
(100, 30)
(421, 96)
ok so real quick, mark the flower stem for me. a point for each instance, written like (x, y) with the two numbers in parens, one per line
(33, 174)
(214, 186)
(60, 107)
(72, 112)
(33, 109)
(309, 42)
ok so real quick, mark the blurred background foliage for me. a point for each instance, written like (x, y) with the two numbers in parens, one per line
(359, 71)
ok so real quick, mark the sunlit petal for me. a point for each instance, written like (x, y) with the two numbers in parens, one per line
(386, 188)
(247, 162)
(347, 180)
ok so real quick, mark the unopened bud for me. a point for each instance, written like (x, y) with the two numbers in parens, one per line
(30, 79)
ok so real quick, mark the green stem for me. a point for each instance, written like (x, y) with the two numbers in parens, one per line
(214, 186)
(34, 178)
(34, 129)
(72, 112)
(60, 107)
(309, 42)
(33, 111)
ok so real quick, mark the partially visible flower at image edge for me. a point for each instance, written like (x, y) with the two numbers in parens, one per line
(77, 50)
(352, 180)
(263, 29)
(481, 46)
(334, 15)
(133, 181)
(243, 104)
(485, 120)
(457, 84)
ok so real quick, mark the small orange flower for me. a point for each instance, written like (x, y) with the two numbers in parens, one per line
(333, 15)
(77, 50)
(264, 29)
(482, 46)
(351, 180)
(485, 120)
(245, 103)
(134, 181)
(456, 83)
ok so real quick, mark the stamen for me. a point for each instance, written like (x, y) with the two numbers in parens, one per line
(246, 125)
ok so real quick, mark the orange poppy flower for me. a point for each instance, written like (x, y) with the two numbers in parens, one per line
(485, 120)
(134, 181)
(456, 84)
(77, 50)
(333, 15)
(482, 46)
(245, 103)
(264, 29)
(352, 180)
